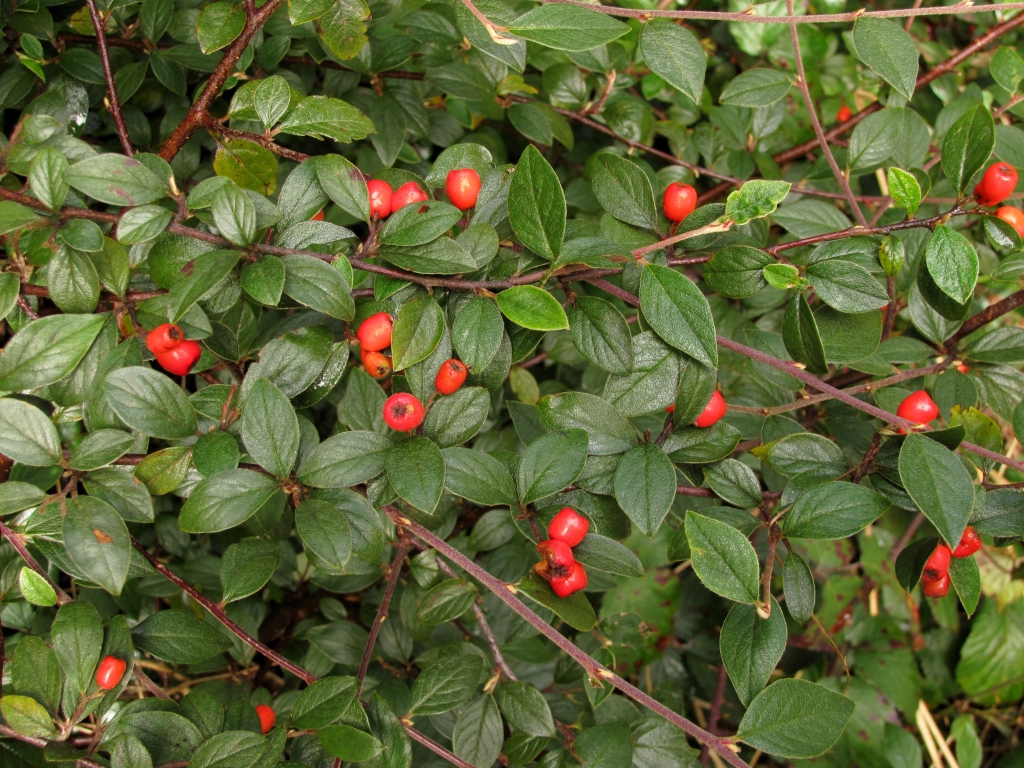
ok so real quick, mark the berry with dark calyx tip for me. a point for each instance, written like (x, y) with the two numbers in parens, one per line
(712, 412)
(568, 527)
(574, 582)
(403, 412)
(180, 360)
(970, 543)
(918, 407)
(937, 564)
(1012, 216)
(110, 672)
(374, 332)
(450, 377)
(377, 365)
(558, 561)
(935, 587)
(381, 196)
(318, 216)
(463, 187)
(407, 194)
(843, 114)
(996, 185)
(267, 717)
(679, 201)
(164, 338)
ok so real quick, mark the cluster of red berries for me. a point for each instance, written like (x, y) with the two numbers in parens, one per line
(559, 568)
(462, 185)
(935, 578)
(173, 351)
(918, 407)
(679, 201)
(995, 186)
(712, 413)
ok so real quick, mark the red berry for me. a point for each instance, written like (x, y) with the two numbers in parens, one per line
(450, 377)
(996, 185)
(712, 412)
(403, 412)
(962, 368)
(375, 332)
(843, 114)
(318, 216)
(935, 587)
(380, 198)
(671, 408)
(180, 360)
(377, 365)
(463, 186)
(163, 338)
(110, 672)
(1012, 216)
(568, 527)
(558, 560)
(679, 201)
(937, 564)
(574, 582)
(970, 543)
(267, 717)
(918, 407)
(408, 193)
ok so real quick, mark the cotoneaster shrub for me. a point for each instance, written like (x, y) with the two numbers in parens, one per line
(242, 242)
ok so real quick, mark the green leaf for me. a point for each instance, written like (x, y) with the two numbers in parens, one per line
(888, 50)
(27, 435)
(219, 24)
(324, 531)
(800, 334)
(229, 498)
(324, 702)
(679, 313)
(74, 282)
(875, 138)
(97, 540)
(419, 223)
(46, 179)
(179, 637)
(270, 429)
(737, 271)
(756, 88)
(722, 558)
(208, 270)
(318, 285)
(536, 204)
(272, 98)
(525, 708)
(734, 482)
(462, 81)
(755, 200)
(264, 280)
(1007, 68)
(645, 486)
(803, 452)
(551, 463)
(454, 419)
(234, 213)
(445, 684)
(324, 117)
(27, 716)
(567, 27)
(603, 553)
(624, 189)
(966, 578)
(35, 588)
(478, 477)
(345, 185)
(649, 386)
(77, 639)
(231, 749)
(675, 55)
(478, 733)
(601, 334)
(150, 402)
(798, 586)
(477, 332)
(751, 647)
(344, 460)
(833, 511)
(249, 165)
(418, 329)
(605, 746)
(416, 472)
(348, 743)
(446, 601)
(795, 718)
(142, 224)
(47, 350)
(846, 286)
(904, 190)
(115, 180)
(967, 146)
(939, 485)
(952, 263)
(246, 567)
(532, 307)
(388, 730)
(607, 430)
(575, 609)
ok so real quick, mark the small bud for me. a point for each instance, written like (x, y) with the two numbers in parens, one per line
(892, 255)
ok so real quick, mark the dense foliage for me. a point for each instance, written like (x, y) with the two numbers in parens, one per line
(243, 566)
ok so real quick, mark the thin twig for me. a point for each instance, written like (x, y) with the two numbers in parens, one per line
(382, 609)
(108, 75)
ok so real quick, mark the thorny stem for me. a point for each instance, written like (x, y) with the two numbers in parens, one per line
(505, 593)
(382, 609)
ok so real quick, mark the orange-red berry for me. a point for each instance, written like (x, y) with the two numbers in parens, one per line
(374, 332)
(574, 582)
(110, 672)
(267, 717)
(679, 201)
(163, 338)
(996, 185)
(181, 358)
(381, 195)
(712, 412)
(918, 407)
(408, 193)
(451, 376)
(843, 114)
(970, 543)
(463, 187)
(1012, 216)
(403, 412)
(935, 587)
(558, 560)
(937, 564)
(318, 216)
(568, 527)
(379, 366)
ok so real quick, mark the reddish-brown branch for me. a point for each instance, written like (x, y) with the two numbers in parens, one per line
(382, 610)
(16, 542)
(108, 75)
(434, 747)
(214, 127)
(200, 109)
(986, 316)
(506, 593)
